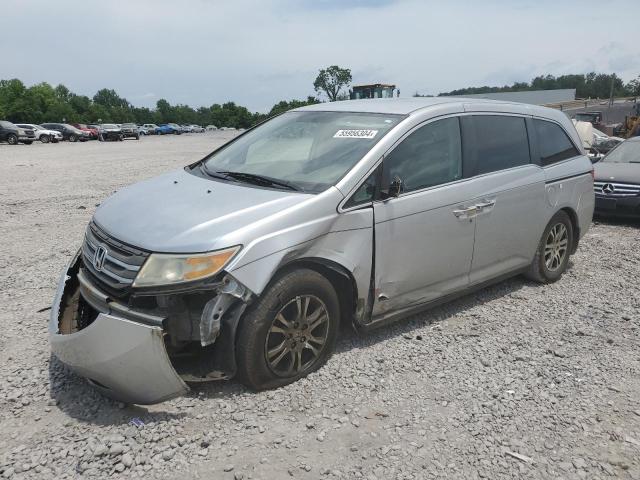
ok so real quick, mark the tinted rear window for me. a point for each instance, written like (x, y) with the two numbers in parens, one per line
(553, 143)
(497, 142)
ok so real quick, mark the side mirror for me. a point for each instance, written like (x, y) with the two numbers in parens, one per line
(395, 188)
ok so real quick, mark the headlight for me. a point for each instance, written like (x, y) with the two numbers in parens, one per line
(169, 269)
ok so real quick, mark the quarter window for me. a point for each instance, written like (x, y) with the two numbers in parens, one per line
(500, 142)
(553, 143)
(430, 156)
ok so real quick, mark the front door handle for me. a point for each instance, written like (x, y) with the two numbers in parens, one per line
(466, 212)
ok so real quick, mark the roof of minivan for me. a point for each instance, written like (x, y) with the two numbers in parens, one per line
(405, 106)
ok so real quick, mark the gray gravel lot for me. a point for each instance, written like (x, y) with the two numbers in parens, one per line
(516, 381)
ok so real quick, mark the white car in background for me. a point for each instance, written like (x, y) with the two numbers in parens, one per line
(211, 128)
(196, 128)
(41, 133)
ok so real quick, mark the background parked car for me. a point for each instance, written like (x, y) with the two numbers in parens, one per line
(177, 129)
(186, 128)
(130, 130)
(617, 181)
(26, 135)
(111, 131)
(92, 131)
(142, 130)
(69, 132)
(211, 128)
(42, 134)
(197, 129)
(164, 129)
(152, 128)
(9, 132)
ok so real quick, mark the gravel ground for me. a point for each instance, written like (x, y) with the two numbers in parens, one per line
(516, 381)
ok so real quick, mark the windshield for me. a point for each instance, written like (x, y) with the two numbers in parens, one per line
(308, 150)
(587, 117)
(626, 152)
(128, 125)
(109, 125)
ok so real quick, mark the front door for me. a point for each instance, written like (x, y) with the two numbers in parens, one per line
(424, 237)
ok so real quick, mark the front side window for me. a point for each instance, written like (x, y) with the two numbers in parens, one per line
(309, 151)
(553, 143)
(430, 156)
(499, 143)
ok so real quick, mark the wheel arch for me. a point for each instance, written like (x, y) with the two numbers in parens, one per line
(573, 216)
(340, 277)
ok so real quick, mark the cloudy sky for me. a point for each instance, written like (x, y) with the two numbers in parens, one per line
(257, 52)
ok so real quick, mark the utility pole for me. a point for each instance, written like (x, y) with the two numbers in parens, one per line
(613, 78)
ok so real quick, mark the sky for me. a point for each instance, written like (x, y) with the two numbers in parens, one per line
(258, 52)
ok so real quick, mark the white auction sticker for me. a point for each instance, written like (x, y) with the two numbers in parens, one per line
(355, 134)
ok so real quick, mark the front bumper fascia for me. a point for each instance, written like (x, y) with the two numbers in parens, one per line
(122, 357)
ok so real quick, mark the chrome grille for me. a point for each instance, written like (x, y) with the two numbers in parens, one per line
(120, 264)
(616, 190)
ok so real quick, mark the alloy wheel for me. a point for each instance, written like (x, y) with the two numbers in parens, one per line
(555, 248)
(297, 336)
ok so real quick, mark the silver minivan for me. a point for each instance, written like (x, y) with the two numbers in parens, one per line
(245, 263)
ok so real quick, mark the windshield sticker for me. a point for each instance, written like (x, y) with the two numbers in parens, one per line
(367, 134)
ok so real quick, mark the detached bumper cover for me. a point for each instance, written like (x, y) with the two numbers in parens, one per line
(123, 358)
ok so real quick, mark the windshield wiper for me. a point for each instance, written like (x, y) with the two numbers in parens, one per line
(257, 179)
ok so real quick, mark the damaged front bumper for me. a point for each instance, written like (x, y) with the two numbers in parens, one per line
(122, 351)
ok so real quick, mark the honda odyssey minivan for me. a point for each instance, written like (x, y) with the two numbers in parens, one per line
(245, 263)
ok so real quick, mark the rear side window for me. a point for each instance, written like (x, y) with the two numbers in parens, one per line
(496, 142)
(553, 143)
(430, 156)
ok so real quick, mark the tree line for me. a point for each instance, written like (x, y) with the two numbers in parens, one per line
(43, 103)
(590, 85)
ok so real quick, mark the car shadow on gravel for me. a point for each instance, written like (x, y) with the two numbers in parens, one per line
(77, 399)
(616, 221)
(407, 327)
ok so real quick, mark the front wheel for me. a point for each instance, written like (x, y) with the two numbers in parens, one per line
(44, 138)
(73, 138)
(12, 139)
(289, 332)
(552, 255)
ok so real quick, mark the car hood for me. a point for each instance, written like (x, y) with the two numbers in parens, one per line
(179, 212)
(617, 172)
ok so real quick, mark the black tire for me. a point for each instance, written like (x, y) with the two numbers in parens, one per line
(73, 138)
(121, 138)
(28, 142)
(137, 137)
(539, 269)
(253, 367)
(12, 139)
(45, 139)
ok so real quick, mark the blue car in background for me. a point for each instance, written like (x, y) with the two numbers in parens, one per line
(167, 128)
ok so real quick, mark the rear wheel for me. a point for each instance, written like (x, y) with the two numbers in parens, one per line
(73, 138)
(552, 256)
(12, 139)
(44, 138)
(289, 332)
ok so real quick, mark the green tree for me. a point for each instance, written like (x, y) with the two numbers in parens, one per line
(284, 105)
(331, 81)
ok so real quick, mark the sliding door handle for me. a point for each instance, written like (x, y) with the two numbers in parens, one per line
(487, 204)
(466, 212)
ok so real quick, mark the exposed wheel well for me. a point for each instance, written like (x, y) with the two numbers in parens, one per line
(576, 228)
(341, 279)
